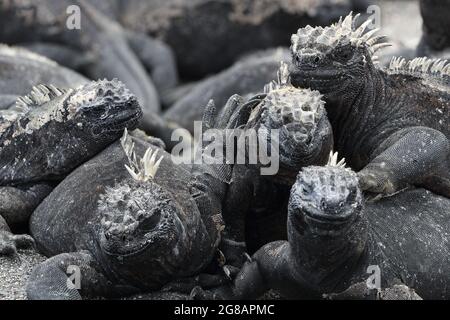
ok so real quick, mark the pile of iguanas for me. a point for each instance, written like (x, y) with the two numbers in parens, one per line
(101, 196)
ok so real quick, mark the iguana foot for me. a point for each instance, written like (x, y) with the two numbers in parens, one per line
(377, 180)
(10, 243)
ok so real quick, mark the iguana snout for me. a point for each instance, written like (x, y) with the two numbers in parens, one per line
(106, 107)
(325, 200)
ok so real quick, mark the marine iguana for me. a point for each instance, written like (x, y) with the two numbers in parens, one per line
(207, 36)
(333, 237)
(392, 125)
(109, 50)
(255, 206)
(21, 69)
(138, 228)
(436, 35)
(48, 133)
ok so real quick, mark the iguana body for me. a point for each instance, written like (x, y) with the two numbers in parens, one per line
(126, 234)
(48, 133)
(109, 50)
(392, 125)
(333, 239)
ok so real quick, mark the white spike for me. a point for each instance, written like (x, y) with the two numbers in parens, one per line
(348, 21)
(367, 36)
(360, 31)
(380, 46)
(355, 18)
(332, 160)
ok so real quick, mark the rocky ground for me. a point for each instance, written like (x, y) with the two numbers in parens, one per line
(401, 21)
(14, 272)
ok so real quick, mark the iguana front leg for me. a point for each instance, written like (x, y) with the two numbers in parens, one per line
(71, 276)
(16, 206)
(412, 156)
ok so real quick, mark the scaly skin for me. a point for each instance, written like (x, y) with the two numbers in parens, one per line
(333, 237)
(127, 235)
(392, 125)
(48, 133)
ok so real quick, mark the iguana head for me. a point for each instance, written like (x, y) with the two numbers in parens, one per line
(140, 227)
(325, 201)
(305, 135)
(326, 223)
(141, 224)
(138, 216)
(103, 108)
(335, 59)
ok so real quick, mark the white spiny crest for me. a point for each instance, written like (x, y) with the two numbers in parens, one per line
(39, 95)
(281, 81)
(143, 169)
(419, 66)
(333, 161)
(343, 31)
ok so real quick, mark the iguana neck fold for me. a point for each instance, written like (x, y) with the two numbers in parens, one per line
(350, 113)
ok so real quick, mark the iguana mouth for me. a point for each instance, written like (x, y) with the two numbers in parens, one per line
(125, 119)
